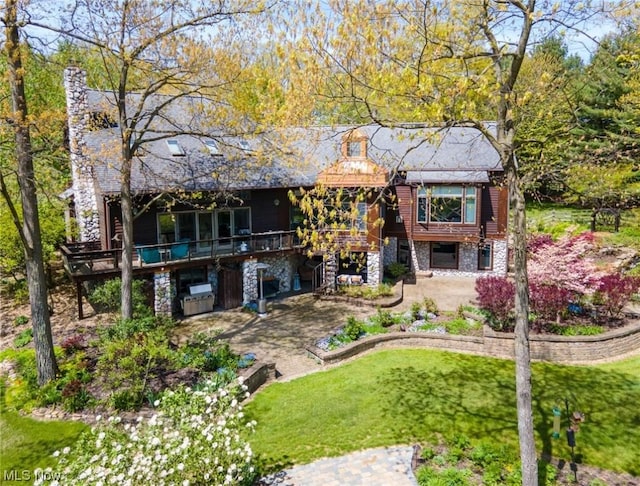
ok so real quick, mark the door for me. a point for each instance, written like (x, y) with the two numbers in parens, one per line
(230, 288)
(205, 231)
(223, 229)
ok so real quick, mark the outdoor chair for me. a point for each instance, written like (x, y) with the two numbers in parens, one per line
(179, 250)
(148, 255)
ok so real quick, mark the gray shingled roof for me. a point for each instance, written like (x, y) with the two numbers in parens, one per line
(288, 158)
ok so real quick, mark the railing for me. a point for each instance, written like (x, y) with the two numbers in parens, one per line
(88, 257)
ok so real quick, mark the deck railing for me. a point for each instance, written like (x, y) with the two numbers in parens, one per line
(87, 257)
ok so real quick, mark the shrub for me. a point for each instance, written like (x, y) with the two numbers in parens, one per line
(195, 438)
(24, 338)
(384, 318)
(205, 352)
(430, 305)
(20, 320)
(353, 329)
(127, 364)
(496, 295)
(415, 311)
(615, 290)
(108, 296)
(549, 301)
(74, 396)
(575, 330)
(72, 344)
(396, 270)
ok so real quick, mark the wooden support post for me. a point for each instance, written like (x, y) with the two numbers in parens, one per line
(79, 297)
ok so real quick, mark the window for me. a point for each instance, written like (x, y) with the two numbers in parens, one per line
(447, 204)
(485, 260)
(354, 149)
(444, 255)
(212, 146)
(175, 148)
(203, 226)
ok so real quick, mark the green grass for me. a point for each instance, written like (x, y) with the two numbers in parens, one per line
(556, 219)
(408, 396)
(27, 444)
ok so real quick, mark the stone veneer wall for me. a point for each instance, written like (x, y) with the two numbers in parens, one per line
(420, 256)
(280, 267)
(249, 280)
(164, 290)
(390, 252)
(468, 259)
(84, 193)
(374, 271)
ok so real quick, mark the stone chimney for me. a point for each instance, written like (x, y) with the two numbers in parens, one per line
(84, 186)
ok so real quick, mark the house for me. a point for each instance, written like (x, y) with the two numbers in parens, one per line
(215, 223)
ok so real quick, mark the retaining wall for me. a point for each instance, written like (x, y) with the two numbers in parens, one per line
(557, 349)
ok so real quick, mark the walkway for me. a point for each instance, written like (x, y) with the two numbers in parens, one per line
(384, 466)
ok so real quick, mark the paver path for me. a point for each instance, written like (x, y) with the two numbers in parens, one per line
(384, 466)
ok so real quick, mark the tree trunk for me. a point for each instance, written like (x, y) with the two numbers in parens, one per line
(30, 229)
(528, 455)
(127, 242)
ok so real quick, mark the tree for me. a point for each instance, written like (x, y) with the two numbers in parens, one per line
(45, 95)
(150, 49)
(603, 151)
(29, 225)
(449, 63)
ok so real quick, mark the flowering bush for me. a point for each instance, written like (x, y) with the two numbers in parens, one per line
(195, 438)
(496, 295)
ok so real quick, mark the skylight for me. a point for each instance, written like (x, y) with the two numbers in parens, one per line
(175, 148)
(212, 146)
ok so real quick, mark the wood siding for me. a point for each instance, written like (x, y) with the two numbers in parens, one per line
(492, 218)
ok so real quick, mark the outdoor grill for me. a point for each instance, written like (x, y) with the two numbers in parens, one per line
(200, 299)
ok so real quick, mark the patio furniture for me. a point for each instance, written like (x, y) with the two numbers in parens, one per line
(179, 250)
(148, 255)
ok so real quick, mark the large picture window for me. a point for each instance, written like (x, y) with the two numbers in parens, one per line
(444, 255)
(447, 204)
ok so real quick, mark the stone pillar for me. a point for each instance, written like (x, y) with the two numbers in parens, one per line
(374, 269)
(164, 292)
(330, 272)
(390, 252)
(500, 257)
(249, 280)
(83, 184)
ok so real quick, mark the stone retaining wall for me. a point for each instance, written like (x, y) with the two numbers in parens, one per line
(557, 349)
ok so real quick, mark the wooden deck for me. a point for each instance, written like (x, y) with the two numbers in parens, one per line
(87, 261)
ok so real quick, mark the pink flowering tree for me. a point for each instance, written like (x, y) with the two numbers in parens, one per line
(566, 264)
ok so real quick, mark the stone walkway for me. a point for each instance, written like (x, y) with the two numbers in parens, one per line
(384, 466)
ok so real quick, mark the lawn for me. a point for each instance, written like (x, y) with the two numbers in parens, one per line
(409, 396)
(27, 444)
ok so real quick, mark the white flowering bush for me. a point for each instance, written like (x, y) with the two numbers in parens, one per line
(195, 438)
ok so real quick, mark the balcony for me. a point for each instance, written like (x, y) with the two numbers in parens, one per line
(85, 260)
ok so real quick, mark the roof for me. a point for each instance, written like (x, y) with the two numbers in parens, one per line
(286, 158)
